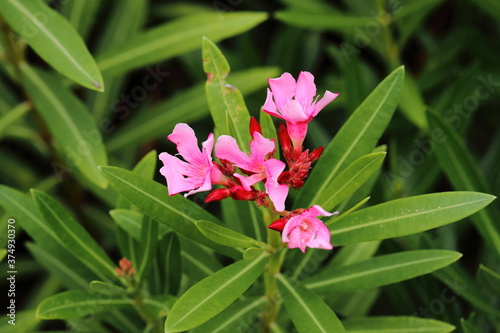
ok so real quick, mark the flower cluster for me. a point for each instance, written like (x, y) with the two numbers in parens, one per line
(239, 173)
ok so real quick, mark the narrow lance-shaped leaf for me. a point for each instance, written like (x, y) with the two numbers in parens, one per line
(213, 294)
(396, 324)
(54, 39)
(75, 304)
(50, 250)
(107, 288)
(69, 122)
(153, 199)
(381, 271)
(239, 316)
(357, 137)
(226, 104)
(461, 169)
(225, 236)
(489, 278)
(350, 179)
(149, 241)
(309, 313)
(175, 38)
(73, 237)
(407, 216)
(172, 261)
(330, 21)
(63, 266)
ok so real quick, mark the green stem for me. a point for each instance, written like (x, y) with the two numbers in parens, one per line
(273, 268)
(150, 319)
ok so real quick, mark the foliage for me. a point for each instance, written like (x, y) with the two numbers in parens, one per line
(90, 89)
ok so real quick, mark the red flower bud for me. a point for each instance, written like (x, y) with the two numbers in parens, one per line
(315, 154)
(239, 193)
(125, 264)
(285, 143)
(218, 194)
(255, 126)
(279, 224)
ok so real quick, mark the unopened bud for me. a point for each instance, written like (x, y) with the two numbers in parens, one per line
(119, 272)
(316, 154)
(239, 193)
(278, 225)
(285, 143)
(125, 265)
(218, 194)
(254, 126)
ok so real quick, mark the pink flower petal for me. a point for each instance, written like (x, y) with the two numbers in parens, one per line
(249, 181)
(297, 132)
(187, 143)
(269, 106)
(306, 90)
(227, 148)
(283, 89)
(173, 170)
(327, 98)
(316, 211)
(260, 147)
(293, 112)
(277, 192)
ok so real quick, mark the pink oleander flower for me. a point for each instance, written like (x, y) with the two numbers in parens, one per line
(294, 102)
(258, 165)
(305, 229)
(197, 172)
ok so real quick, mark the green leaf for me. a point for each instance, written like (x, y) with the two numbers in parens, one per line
(213, 294)
(309, 313)
(468, 327)
(75, 304)
(349, 180)
(149, 241)
(226, 104)
(172, 260)
(69, 122)
(252, 253)
(357, 137)
(407, 216)
(63, 265)
(225, 236)
(54, 39)
(73, 237)
(381, 271)
(459, 281)
(187, 106)
(3, 252)
(153, 199)
(461, 169)
(412, 103)
(107, 288)
(175, 38)
(347, 212)
(81, 14)
(52, 254)
(331, 21)
(238, 317)
(123, 20)
(396, 324)
(489, 7)
(131, 222)
(489, 279)
(12, 116)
